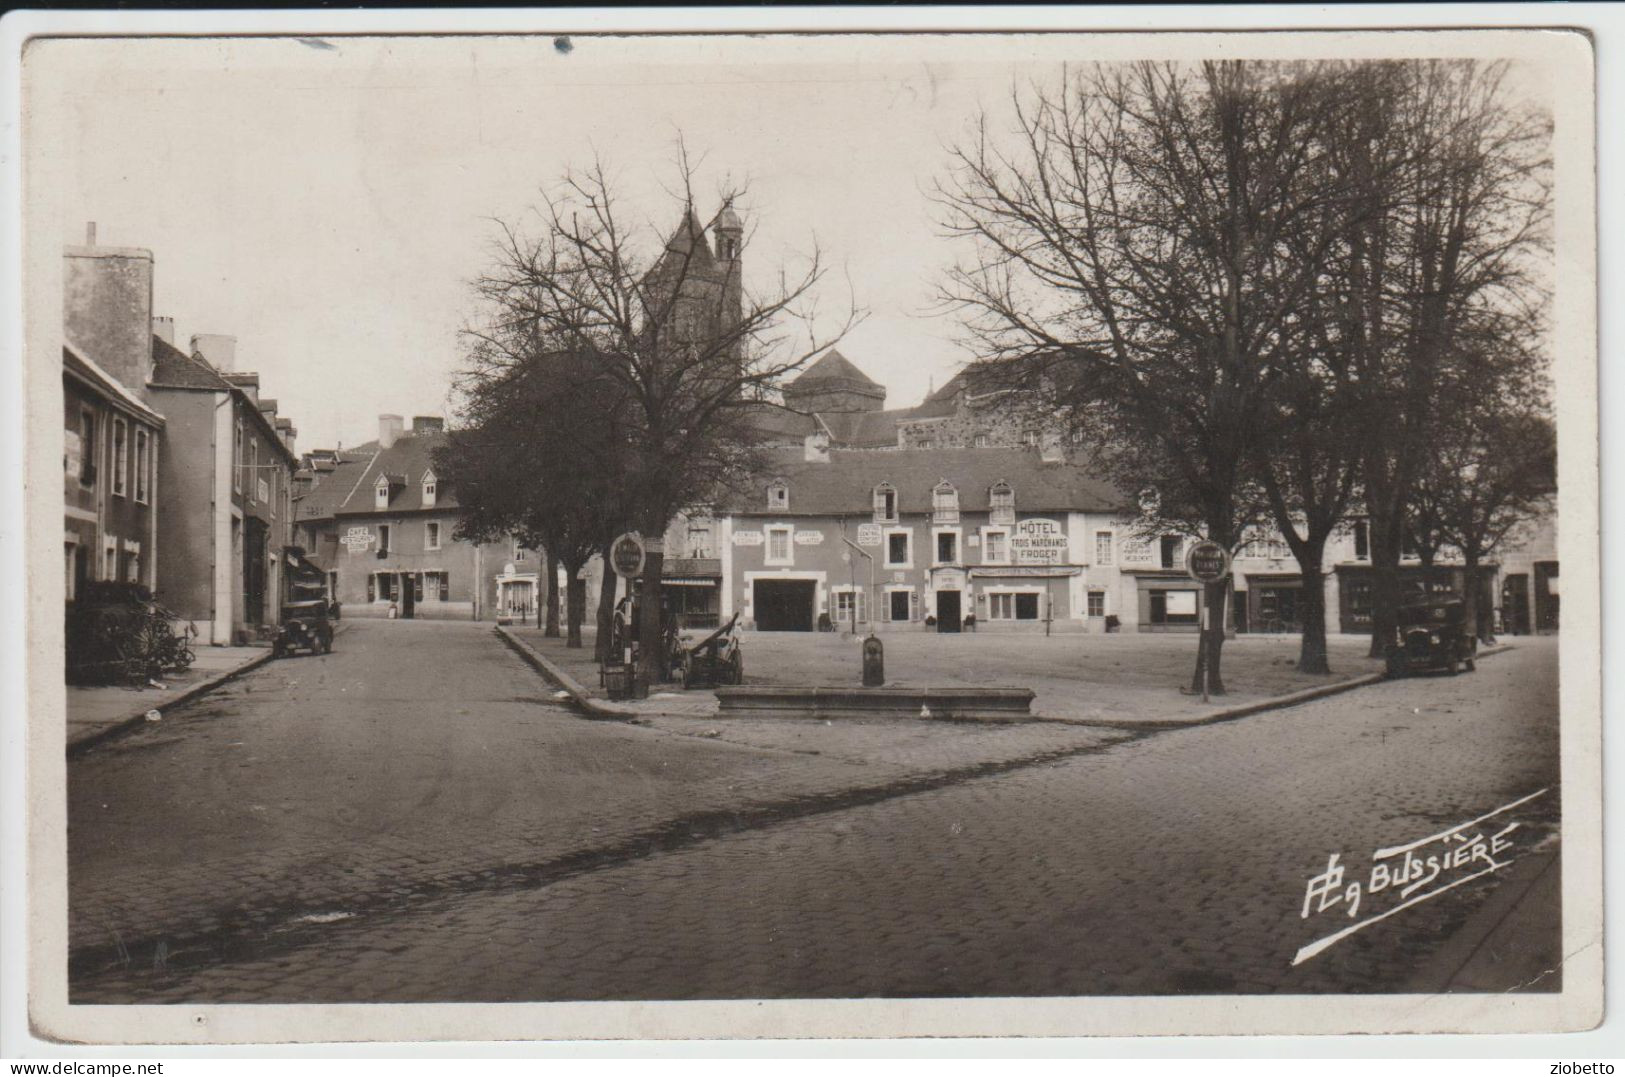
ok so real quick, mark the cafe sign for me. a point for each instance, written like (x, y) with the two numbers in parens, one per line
(357, 539)
(1039, 542)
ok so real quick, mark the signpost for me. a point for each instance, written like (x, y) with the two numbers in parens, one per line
(1208, 562)
(626, 555)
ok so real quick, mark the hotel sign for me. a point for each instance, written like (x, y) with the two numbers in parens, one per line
(1039, 542)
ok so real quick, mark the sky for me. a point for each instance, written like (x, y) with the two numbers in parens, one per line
(327, 203)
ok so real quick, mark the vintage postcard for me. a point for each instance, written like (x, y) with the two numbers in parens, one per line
(782, 535)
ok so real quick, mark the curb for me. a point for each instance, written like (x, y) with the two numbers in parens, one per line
(1244, 710)
(108, 732)
(584, 700)
(89, 740)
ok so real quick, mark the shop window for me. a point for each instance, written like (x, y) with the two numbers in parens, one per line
(431, 535)
(1097, 603)
(996, 548)
(1173, 607)
(120, 456)
(885, 503)
(1001, 499)
(1013, 606)
(897, 550)
(947, 547)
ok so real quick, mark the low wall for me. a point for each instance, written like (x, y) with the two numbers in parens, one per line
(949, 704)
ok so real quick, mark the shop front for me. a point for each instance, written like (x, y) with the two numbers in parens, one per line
(1024, 597)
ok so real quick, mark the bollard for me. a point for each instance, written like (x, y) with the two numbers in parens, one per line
(874, 662)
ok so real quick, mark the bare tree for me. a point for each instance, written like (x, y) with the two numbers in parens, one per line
(1144, 237)
(668, 322)
(1454, 192)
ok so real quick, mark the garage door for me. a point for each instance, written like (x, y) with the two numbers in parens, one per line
(784, 605)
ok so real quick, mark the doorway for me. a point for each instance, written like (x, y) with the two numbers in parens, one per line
(784, 605)
(254, 576)
(1515, 604)
(948, 616)
(410, 582)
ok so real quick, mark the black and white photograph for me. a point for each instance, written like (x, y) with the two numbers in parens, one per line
(1072, 523)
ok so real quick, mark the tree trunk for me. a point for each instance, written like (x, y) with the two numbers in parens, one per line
(1470, 573)
(551, 572)
(652, 659)
(1312, 656)
(576, 601)
(1211, 641)
(1384, 587)
(606, 611)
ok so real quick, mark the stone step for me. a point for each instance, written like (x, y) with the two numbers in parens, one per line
(948, 704)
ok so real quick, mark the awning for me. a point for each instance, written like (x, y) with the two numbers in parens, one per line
(1024, 572)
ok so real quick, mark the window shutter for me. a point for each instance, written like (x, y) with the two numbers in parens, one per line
(885, 606)
(445, 587)
(914, 605)
(372, 587)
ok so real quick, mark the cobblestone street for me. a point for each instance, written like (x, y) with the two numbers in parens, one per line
(453, 834)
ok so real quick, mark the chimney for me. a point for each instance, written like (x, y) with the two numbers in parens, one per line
(164, 329)
(248, 382)
(816, 448)
(285, 430)
(218, 350)
(107, 310)
(389, 428)
(420, 423)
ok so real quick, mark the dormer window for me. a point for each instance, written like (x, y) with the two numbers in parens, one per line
(885, 503)
(944, 503)
(778, 495)
(430, 484)
(1001, 500)
(380, 493)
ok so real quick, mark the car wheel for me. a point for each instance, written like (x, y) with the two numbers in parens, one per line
(1453, 666)
(1396, 666)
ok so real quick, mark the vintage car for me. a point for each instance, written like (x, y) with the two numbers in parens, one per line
(305, 626)
(1431, 635)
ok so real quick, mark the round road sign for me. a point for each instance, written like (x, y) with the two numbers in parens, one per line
(626, 555)
(1207, 561)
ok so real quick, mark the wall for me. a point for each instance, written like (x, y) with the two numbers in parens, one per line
(407, 555)
(94, 515)
(107, 309)
(186, 532)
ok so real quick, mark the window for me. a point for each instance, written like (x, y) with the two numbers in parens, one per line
(383, 540)
(778, 495)
(141, 465)
(110, 562)
(430, 485)
(699, 540)
(1097, 603)
(1103, 547)
(431, 535)
(898, 554)
(926, 443)
(417, 587)
(380, 493)
(1173, 607)
(384, 589)
(1278, 549)
(780, 550)
(945, 503)
(885, 504)
(902, 605)
(947, 547)
(982, 441)
(846, 604)
(1001, 499)
(1013, 605)
(132, 568)
(1362, 540)
(1171, 546)
(120, 456)
(996, 547)
(253, 466)
(273, 498)
(1029, 438)
(87, 447)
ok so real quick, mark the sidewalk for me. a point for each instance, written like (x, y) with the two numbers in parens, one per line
(1127, 681)
(95, 714)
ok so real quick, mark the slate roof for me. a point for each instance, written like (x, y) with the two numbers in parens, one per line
(845, 485)
(331, 486)
(864, 429)
(407, 459)
(833, 367)
(174, 369)
(88, 370)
